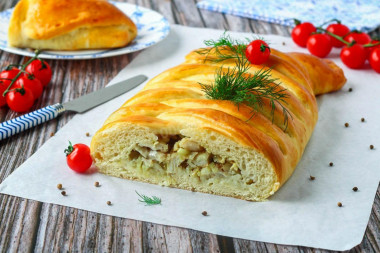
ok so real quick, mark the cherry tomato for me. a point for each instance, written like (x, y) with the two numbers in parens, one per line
(20, 99)
(257, 52)
(374, 59)
(319, 45)
(354, 56)
(370, 49)
(302, 32)
(78, 157)
(41, 71)
(340, 30)
(359, 37)
(30, 82)
(9, 74)
(4, 83)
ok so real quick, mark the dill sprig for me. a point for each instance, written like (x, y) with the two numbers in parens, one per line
(149, 200)
(238, 86)
(225, 48)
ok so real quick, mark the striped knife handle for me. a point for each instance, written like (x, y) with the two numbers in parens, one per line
(32, 119)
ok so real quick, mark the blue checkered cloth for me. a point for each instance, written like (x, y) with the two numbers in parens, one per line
(361, 15)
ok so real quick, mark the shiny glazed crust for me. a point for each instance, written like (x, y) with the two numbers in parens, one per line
(173, 104)
(69, 25)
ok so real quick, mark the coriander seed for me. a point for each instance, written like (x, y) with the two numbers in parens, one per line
(87, 134)
(355, 189)
(63, 193)
(96, 184)
(362, 119)
(346, 124)
(51, 134)
(204, 213)
(371, 147)
(59, 186)
(109, 203)
(340, 204)
(331, 164)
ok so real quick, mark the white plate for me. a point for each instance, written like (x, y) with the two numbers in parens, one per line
(152, 28)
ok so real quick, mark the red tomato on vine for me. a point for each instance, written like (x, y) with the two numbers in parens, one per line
(31, 83)
(9, 74)
(359, 37)
(41, 70)
(4, 83)
(301, 33)
(319, 44)
(353, 56)
(374, 60)
(340, 30)
(20, 99)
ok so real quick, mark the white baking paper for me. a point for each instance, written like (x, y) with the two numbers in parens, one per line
(302, 212)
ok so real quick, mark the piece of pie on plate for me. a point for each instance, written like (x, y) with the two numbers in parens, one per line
(69, 25)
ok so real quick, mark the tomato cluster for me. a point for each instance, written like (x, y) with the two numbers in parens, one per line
(20, 87)
(357, 46)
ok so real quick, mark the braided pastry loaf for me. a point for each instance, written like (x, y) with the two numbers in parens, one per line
(171, 134)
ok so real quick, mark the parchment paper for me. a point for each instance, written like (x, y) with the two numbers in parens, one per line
(302, 212)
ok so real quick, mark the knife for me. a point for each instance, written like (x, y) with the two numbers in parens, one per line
(81, 104)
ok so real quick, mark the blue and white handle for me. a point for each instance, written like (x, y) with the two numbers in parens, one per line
(26, 121)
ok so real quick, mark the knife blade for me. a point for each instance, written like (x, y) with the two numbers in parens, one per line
(101, 96)
(80, 105)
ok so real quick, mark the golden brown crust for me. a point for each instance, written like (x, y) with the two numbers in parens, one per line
(174, 98)
(46, 23)
(325, 75)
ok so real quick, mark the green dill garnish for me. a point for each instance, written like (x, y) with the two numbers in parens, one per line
(149, 200)
(225, 48)
(236, 84)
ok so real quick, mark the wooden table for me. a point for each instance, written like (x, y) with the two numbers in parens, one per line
(27, 225)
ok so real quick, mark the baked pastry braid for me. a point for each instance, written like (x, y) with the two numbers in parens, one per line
(69, 25)
(171, 134)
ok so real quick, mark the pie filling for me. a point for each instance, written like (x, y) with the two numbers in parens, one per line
(176, 158)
